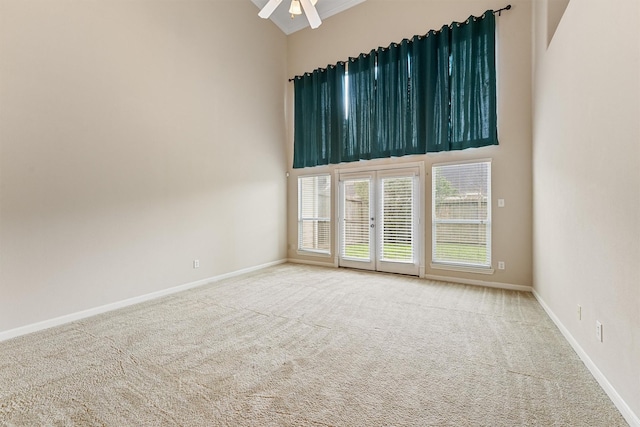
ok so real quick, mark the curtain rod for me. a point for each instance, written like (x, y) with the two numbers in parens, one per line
(498, 12)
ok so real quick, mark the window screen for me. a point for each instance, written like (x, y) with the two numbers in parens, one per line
(314, 213)
(461, 214)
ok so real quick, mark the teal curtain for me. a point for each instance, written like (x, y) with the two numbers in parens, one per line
(319, 123)
(392, 122)
(432, 93)
(473, 121)
(361, 109)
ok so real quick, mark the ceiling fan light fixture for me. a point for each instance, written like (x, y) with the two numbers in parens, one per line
(295, 8)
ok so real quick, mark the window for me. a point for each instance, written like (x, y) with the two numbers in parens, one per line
(432, 93)
(314, 213)
(397, 218)
(461, 214)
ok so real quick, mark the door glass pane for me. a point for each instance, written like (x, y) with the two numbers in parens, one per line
(396, 228)
(356, 239)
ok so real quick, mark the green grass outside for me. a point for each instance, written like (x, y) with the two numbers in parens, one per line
(391, 251)
(445, 252)
(459, 251)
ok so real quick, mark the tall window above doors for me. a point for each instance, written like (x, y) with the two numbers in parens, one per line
(461, 214)
(314, 214)
(431, 93)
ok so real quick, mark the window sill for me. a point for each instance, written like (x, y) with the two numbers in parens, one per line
(462, 268)
(310, 252)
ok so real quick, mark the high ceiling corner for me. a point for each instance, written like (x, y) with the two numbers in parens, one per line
(326, 8)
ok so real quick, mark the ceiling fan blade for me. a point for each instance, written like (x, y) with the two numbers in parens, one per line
(268, 8)
(312, 13)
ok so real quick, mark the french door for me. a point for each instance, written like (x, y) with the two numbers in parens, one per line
(378, 220)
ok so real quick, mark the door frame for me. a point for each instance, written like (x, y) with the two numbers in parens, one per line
(420, 204)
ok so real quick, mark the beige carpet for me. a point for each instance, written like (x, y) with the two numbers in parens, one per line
(305, 346)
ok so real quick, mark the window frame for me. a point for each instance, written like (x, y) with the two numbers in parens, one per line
(310, 251)
(462, 266)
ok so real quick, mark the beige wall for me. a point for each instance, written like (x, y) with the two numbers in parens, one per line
(555, 11)
(135, 137)
(586, 157)
(378, 23)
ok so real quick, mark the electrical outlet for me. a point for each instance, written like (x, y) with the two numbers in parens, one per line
(196, 263)
(579, 312)
(501, 203)
(500, 265)
(599, 330)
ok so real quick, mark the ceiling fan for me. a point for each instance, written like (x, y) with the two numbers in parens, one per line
(309, 7)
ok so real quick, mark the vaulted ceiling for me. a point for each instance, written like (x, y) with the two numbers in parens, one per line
(326, 8)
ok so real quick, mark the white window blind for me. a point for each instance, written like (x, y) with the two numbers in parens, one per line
(396, 228)
(461, 214)
(356, 238)
(314, 213)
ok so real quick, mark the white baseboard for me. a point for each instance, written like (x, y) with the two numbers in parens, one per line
(486, 284)
(618, 401)
(316, 263)
(23, 330)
